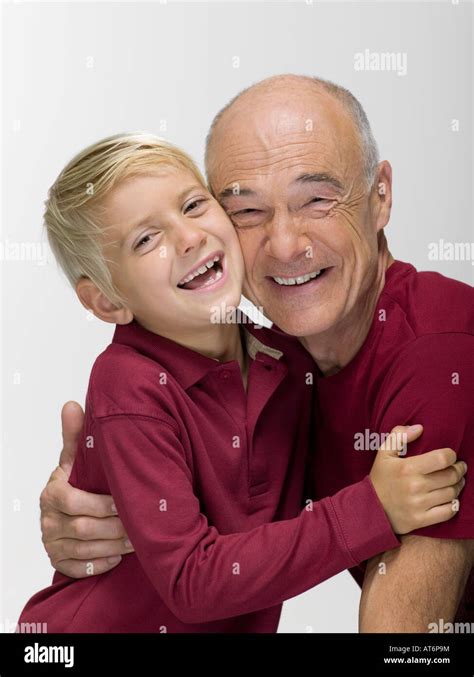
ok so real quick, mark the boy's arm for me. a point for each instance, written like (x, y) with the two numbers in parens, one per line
(203, 575)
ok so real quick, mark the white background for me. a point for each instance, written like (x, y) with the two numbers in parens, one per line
(75, 72)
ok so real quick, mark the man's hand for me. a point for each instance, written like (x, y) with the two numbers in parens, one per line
(79, 528)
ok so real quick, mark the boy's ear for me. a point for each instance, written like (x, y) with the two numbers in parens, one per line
(93, 299)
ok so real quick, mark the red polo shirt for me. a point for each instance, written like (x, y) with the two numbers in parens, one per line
(208, 482)
(416, 366)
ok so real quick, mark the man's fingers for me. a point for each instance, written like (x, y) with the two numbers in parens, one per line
(82, 528)
(74, 549)
(58, 474)
(77, 569)
(431, 461)
(445, 478)
(65, 498)
(72, 419)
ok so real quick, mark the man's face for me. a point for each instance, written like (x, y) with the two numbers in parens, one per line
(172, 251)
(291, 178)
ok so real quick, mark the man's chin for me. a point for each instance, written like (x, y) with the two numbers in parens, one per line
(300, 323)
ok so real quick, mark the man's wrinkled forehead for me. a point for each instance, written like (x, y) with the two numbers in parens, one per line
(313, 136)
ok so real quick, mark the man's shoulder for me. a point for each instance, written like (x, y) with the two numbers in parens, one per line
(430, 302)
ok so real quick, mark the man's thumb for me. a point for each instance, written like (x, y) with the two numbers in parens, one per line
(72, 419)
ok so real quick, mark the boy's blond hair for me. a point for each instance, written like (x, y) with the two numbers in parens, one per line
(74, 206)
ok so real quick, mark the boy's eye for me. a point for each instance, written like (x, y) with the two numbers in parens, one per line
(192, 206)
(144, 240)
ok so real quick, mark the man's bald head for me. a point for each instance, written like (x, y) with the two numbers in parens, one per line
(286, 87)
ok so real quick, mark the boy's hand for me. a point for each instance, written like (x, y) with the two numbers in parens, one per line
(417, 491)
(78, 528)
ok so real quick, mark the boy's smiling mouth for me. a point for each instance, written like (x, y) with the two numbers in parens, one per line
(206, 273)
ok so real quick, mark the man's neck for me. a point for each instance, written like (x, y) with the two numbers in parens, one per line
(333, 349)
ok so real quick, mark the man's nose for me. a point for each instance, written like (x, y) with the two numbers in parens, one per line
(189, 237)
(286, 240)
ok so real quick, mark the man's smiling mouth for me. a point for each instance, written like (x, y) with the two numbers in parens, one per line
(209, 271)
(299, 279)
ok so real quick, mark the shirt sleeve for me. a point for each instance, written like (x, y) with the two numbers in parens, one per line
(432, 383)
(203, 575)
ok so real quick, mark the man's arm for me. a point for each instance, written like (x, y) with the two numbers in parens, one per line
(78, 527)
(422, 581)
(431, 381)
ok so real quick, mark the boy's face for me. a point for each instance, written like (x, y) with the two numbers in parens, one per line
(173, 252)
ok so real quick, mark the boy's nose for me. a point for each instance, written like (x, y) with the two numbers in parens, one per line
(188, 238)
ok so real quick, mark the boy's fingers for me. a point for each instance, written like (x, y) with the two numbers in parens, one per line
(447, 477)
(445, 495)
(77, 569)
(399, 437)
(431, 461)
(72, 419)
(441, 513)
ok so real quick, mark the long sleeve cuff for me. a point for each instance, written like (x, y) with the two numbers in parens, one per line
(364, 524)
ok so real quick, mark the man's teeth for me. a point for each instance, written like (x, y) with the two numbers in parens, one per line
(201, 270)
(297, 280)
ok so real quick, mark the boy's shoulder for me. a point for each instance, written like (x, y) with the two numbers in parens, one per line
(124, 381)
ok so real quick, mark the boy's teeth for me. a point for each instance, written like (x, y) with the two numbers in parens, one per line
(216, 277)
(200, 270)
(301, 279)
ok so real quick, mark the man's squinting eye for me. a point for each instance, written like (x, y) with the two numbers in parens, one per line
(321, 200)
(241, 212)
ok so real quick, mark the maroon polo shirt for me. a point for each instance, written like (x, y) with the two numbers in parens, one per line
(416, 366)
(208, 482)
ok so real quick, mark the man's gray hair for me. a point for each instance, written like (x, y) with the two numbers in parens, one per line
(352, 105)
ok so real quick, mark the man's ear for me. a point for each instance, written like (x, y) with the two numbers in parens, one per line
(93, 299)
(381, 195)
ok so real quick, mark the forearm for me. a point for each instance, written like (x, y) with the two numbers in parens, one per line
(407, 589)
(229, 575)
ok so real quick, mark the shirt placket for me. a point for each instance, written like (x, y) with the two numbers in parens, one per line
(265, 375)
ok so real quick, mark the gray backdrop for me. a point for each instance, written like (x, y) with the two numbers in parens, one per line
(73, 72)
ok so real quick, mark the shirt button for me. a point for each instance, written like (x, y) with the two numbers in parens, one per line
(225, 374)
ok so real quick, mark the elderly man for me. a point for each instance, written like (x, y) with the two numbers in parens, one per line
(294, 163)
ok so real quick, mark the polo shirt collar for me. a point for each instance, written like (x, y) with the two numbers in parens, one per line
(185, 365)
